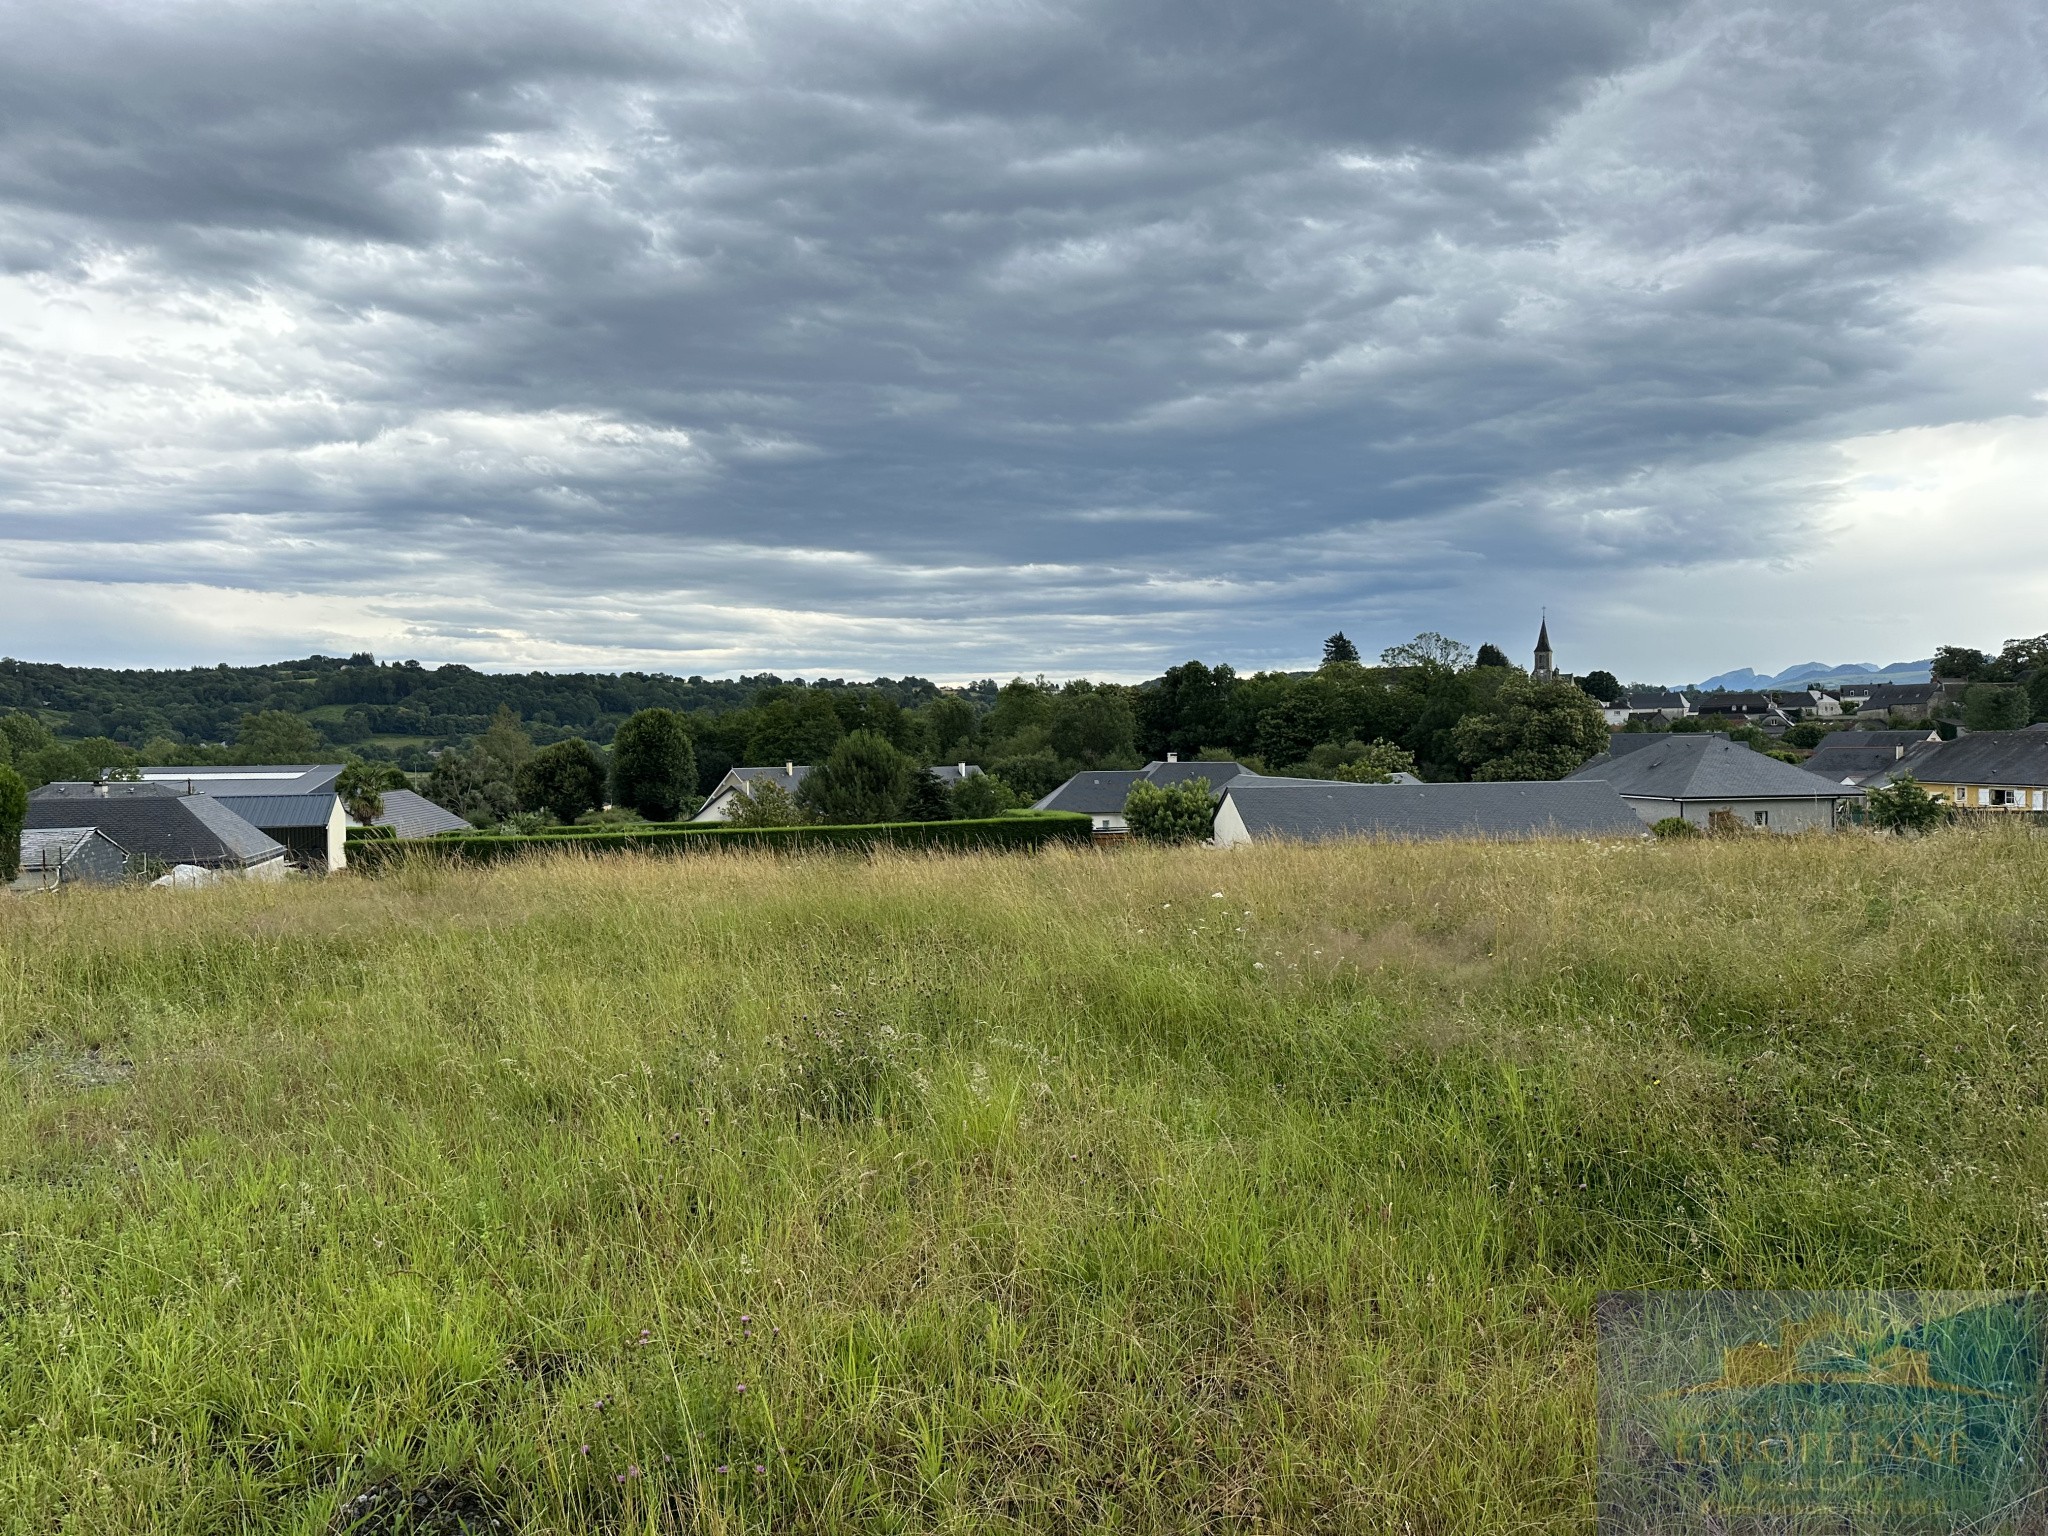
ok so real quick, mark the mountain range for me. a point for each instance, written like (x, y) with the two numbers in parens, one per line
(1745, 681)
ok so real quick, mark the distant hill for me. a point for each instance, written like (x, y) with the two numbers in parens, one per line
(1743, 680)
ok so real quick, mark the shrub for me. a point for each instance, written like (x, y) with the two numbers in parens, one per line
(1178, 813)
(1376, 764)
(1676, 827)
(1904, 806)
(1019, 830)
(765, 804)
(361, 788)
(981, 795)
(13, 813)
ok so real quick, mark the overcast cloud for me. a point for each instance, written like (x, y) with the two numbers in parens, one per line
(970, 338)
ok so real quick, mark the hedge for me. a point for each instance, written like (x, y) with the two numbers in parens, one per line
(1037, 830)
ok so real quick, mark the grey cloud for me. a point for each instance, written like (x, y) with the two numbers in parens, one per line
(1068, 326)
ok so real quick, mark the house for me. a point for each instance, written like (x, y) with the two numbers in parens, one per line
(1704, 778)
(1100, 793)
(1737, 708)
(1307, 811)
(1647, 705)
(1983, 771)
(1859, 757)
(719, 804)
(54, 857)
(1901, 701)
(1809, 704)
(156, 825)
(950, 774)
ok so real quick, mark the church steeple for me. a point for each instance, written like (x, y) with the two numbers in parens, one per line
(1543, 670)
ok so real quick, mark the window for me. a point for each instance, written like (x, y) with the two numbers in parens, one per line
(1962, 794)
(1761, 818)
(2003, 797)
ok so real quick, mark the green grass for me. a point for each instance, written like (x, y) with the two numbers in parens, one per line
(1050, 1193)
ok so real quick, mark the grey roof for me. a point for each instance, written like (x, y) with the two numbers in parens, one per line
(2011, 758)
(1217, 774)
(1701, 767)
(1889, 695)
(1312, 812)
(154, 821)
(268, 811)
(1653, 701)
(249, 778)
(786, 775)
(411, 814)
(1857, 756)
(953, 773)
(49, 847)
(1097, 792)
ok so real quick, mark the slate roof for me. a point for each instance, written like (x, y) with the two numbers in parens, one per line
(268, 811)
(2010, 758)
(1857, 756)
(1898, 695)
(411, 814)
(250, 779)
(950, 774)
(1733, 704)
(1651, 702)
(49, 847)
(787, 776)
(1702, 767)
(155, 821)
(1096, 792)
(1319, 812)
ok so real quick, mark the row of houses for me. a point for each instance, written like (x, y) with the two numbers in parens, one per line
(739, 783)
(248, 822)
(1779, 709)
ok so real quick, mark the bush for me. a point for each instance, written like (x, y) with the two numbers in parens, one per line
(1904, 806)
(1179, 813)
(1376, 764)
(864, 781)
(1018, 830)
(982, 795)
(765, 803)
(1674, 827)
(13, 812)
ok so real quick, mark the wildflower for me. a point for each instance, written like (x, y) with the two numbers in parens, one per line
(618, 1477)
(1215, 895)
(759, 1469)
(723, 1467)
(741, 1388)
(633, 1471)
(586, 1450)
(667, 1460)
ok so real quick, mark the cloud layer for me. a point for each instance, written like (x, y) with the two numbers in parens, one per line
(966, 338)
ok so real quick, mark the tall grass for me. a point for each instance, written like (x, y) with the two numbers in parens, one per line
(1148, 1191)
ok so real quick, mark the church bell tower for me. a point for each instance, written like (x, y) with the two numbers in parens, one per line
(1543, 671)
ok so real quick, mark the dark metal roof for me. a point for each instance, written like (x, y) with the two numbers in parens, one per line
(153, 821)
(278, 811)
(410, 814)
(249, 778)
(2011, 758)
(1700, 767)
(1312, 813)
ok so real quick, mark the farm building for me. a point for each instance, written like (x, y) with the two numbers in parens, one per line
(1257, 809)
(156, 825)
(54, 857)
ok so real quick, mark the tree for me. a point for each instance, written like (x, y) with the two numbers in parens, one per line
(1996, 707)
(22, 733)
(13, 814)
(928, 800)
(765, 804)
(476, 785)
(1491, 655)
(1604, 686)
(505, 741)
(565, 780)
(1339, 649)
(1376, 764)
(865, 780)
(277, 736)
(1177, 813)
(361, 788)
(1903, 806)
(1960, 663)
(1186, 710)
(951, 722)
(1429, 649)
(654, 766)
(1531, 731)
(1092, 727)
(981, 795)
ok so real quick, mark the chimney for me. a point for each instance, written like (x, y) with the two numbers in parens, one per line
(100, 788)
(789, 770)
(1173, 757)
(963, 769)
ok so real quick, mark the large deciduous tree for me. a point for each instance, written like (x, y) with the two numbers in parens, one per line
(277, 736)
(564, 780)
(13, 813)
(1531, 730)
(654, 766)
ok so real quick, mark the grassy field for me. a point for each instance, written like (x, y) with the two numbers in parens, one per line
(1145, 1191)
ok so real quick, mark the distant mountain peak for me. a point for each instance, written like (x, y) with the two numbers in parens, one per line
(1744, 680)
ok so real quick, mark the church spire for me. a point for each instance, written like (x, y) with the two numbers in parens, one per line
(1543, 671)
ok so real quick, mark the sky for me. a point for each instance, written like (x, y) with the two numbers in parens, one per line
(1075, 337)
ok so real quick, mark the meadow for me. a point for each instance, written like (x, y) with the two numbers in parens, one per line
(1132, 1191)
